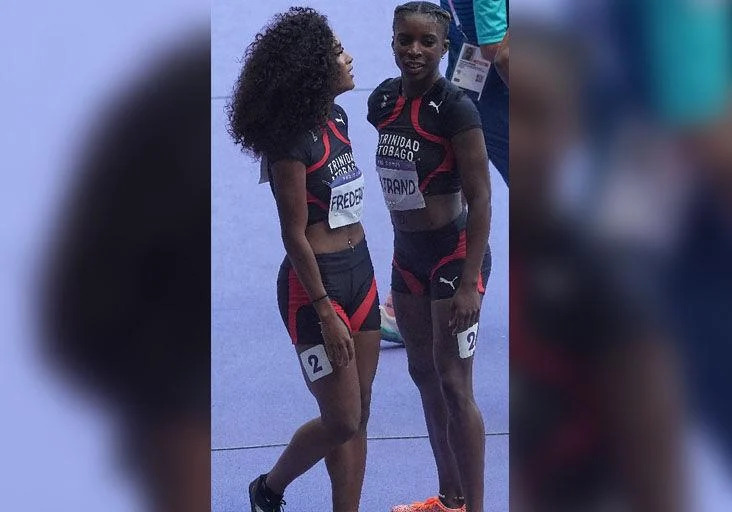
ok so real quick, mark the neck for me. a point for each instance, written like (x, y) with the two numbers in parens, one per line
(413, 88)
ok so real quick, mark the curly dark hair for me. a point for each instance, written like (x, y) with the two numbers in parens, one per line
(287, 83)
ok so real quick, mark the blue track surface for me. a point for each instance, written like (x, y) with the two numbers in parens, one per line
(258, 396)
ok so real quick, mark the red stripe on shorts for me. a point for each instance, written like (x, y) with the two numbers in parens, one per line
(459, 253)
(359, 317)
(341, 313)
(413, 283)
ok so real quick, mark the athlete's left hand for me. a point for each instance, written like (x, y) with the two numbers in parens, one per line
(465, 309)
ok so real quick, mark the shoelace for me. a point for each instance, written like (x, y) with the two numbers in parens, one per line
(425, 505)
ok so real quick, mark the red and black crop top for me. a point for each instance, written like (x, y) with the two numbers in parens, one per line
(419, 130)
(327, 156)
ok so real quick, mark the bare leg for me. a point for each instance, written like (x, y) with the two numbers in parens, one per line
(465, 428)
(347, 463)
(339, 400)
(414, 318)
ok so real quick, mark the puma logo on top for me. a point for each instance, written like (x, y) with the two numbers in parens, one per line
(339, 119)
(450, 282)
(436, 105)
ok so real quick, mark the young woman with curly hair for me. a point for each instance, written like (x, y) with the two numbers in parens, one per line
(284, 111)
(431, 152)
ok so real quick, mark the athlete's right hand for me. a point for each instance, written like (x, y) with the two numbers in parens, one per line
(338, 340)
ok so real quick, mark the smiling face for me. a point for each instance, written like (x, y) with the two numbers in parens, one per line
(345, 63)
(419, 43)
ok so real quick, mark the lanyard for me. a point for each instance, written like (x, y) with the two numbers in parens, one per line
(454, 13)
(457, 19)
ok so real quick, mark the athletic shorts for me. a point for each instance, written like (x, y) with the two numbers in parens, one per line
(348, 277)
(431, 262)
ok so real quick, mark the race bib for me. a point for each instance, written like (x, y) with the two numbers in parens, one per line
(471, 70)
(315, 362)
(400, 184)
(346, 199)
(467, 341)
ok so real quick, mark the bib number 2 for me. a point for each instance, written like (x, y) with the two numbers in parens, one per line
(315, 362)
(467, 341)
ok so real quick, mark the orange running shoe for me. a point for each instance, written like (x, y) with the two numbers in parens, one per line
(431, 505)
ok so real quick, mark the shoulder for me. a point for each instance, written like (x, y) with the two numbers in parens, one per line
(454, 97)
(299, 148)
(456, 110)
(390, 85)
(381, 101)
(338, 110)
(384, 91)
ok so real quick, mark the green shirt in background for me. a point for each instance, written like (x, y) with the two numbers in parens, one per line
(490, 20)
(689, 58)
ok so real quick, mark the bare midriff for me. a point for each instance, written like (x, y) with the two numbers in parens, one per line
(323, 239)
(438, 212)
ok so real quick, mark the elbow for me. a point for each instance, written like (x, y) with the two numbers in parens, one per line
(292, 239)
(501, 63)
(501, 58)
(489, 51)
(479, 200)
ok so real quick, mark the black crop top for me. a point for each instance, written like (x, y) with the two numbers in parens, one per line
(420, 130)
(326, 154)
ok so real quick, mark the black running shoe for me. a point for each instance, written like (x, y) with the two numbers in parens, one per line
(263, 500)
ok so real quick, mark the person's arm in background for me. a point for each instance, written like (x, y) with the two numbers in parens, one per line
(501, 60)
(491, 24)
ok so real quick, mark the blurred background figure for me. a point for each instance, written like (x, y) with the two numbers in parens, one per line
(105, 286)
(484, 23)
(620, 226)
(127, 294)
(584, 421)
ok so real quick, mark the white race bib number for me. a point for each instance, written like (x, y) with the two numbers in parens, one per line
(346, 199)
(315, 362)
(467, 341)
(399, 183)
(471, 70)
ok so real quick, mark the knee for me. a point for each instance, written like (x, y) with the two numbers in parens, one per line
(457, 392)
(343, 426)
(422, 373)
